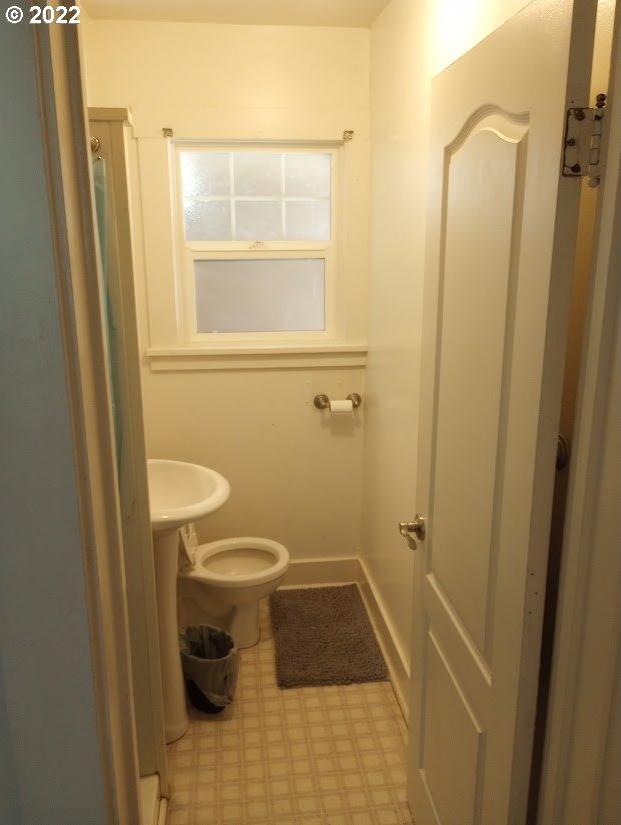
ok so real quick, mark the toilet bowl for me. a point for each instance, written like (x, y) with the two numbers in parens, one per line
(226, 582)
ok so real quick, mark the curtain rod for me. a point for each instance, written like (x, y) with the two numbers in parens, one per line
(348, 135)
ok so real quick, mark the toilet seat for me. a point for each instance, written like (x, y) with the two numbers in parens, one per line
(239, 561)
(227, 581)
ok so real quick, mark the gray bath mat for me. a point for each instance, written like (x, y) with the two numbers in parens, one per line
(323, 636)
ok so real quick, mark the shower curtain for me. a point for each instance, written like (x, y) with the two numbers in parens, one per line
(101, 207)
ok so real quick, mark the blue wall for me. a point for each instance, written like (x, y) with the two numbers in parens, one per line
(50, 762)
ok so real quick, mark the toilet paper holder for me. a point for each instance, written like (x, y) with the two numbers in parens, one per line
(322, 402)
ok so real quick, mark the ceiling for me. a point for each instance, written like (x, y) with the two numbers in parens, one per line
(250, 12)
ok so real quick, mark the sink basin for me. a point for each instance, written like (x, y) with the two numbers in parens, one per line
(180, 492)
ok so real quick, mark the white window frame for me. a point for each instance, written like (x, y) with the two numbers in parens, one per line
(187, 252)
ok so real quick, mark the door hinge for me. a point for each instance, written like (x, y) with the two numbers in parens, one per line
(583, 141)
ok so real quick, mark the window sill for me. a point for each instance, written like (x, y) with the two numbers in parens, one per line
(256, 356)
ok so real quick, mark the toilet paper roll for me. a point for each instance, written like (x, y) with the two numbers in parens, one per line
(341, 406)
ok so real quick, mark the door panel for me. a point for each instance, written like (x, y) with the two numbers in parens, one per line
(453, 739)
(499, 254)
(481, 210)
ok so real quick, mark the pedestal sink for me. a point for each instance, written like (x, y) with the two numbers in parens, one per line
(178, 493)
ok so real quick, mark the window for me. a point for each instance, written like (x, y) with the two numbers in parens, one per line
(260, 295)
(256, 241)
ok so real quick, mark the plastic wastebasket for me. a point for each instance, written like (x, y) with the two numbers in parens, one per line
(210, 664)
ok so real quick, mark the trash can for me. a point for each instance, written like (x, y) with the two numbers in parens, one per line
(210, 664)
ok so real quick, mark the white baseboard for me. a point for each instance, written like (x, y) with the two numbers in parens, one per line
(322, 571)
(153, 807)
(163, 813)
(149, 792)
(396, 660)
(352, 569)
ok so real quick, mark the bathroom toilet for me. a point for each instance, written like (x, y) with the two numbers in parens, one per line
(226, 581)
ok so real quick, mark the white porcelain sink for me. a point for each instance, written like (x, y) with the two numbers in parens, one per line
(178, 494)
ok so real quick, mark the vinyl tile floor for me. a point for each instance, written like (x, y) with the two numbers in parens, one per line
(301, 756)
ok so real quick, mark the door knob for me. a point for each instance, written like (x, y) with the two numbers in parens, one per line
(408, 529)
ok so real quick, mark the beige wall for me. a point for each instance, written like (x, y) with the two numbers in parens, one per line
(399, 101)
(410, 42)
(182, 74)
(458, 25)
(295, 476)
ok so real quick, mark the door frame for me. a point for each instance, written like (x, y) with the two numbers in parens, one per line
(65, 146)
(576, 645)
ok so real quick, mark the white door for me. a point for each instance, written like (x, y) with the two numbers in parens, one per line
(502, 223)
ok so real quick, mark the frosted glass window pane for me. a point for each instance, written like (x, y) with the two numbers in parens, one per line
(205, 173)
(307, 220)
(257, 173)
(307, 174)
(275, 295)
(258, 220)
(207, 220)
